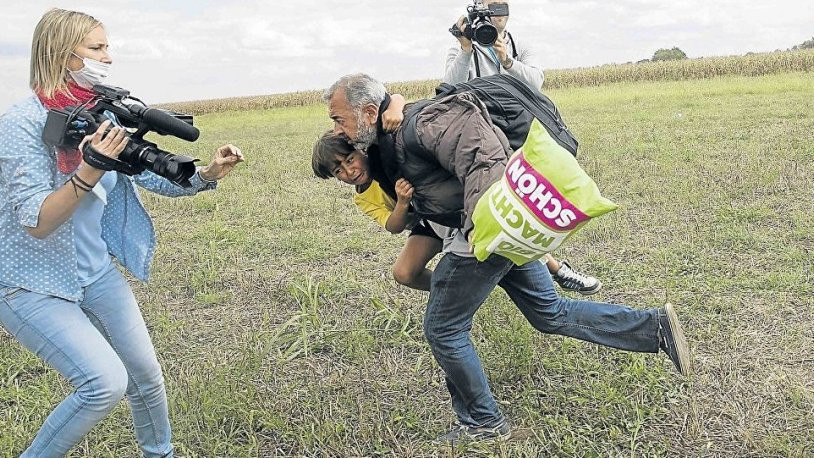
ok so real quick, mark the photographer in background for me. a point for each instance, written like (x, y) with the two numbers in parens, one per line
(62, 221)
(473, 60)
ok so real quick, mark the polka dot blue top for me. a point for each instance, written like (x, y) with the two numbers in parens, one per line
(28, 174)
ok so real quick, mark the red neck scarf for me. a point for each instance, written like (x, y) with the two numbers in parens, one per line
(67, 160)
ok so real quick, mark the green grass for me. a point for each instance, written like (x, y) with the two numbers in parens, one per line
(759, 64)
(281, 332)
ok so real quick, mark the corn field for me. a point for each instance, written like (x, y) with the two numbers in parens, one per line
(676, 70)
(748, 65)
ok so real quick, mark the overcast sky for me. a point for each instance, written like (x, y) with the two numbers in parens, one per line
(200, 49)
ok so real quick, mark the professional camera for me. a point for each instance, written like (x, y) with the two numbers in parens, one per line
(479, 26)
(65, 129)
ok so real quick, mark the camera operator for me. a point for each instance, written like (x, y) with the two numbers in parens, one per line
(62, 222)
(471, 60)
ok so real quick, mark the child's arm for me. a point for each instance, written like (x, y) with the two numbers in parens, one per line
(394, 114)
(397, 221)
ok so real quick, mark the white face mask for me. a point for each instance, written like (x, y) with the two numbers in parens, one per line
(94, 72)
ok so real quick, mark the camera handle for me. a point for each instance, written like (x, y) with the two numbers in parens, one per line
(455, 31)
(99, 161)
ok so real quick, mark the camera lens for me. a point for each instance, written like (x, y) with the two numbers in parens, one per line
(485, 34)
(176, 168)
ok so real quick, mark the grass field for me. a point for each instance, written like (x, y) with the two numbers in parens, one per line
(761, 64)
(281, 332)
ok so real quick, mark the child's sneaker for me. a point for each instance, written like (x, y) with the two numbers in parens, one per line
(572, 280)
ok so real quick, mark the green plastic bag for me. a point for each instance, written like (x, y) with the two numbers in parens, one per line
(543, 198)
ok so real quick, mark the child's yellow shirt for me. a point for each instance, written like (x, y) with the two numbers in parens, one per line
(375, 203)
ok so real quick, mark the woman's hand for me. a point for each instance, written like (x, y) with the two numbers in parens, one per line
(226, 158)
(110, 144)
(404, 191)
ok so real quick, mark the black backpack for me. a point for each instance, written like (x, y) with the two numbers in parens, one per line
(511, 104)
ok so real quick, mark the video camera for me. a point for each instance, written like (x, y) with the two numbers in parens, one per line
(479, 26)
(65, 128)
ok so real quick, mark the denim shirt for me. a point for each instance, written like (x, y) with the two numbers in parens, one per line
(29, 174)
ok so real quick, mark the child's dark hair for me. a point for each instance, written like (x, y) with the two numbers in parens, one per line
(323, 160)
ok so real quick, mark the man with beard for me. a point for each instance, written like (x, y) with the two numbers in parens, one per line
(463, 154)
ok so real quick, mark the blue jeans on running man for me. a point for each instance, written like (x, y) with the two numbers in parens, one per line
(461, 284)
(101, 346)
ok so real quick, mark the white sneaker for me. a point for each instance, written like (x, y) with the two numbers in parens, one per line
(572, 280)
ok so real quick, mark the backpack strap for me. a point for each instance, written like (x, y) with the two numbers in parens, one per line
(534, 102)
(444, 89)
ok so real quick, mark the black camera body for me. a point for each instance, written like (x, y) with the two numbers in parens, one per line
(65, 129)
(478, 21)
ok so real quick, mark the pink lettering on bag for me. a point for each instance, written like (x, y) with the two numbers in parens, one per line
(541, 197)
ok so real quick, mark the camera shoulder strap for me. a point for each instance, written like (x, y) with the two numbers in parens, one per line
(514, 47)
(475, 57)
(475, 51)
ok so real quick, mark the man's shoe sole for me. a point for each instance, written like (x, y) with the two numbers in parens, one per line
(680, 342)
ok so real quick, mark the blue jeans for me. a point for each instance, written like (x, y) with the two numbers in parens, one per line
(461, 284)
(100, 344)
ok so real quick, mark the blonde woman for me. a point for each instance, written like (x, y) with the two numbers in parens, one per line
(62, 222)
